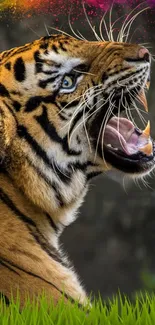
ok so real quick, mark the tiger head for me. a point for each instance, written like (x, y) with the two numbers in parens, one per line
(64, 98)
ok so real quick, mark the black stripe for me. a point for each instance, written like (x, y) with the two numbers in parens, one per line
(92, 175)
(6, 53)
(22, 49)
(52, 222)
(50, 130)
(35, 101)
(69, 151)
(28, 272)
(44, 83)
(54, 48)
(46, 247)
(15, 92)
(8, 66)
(52, 185)
(69, 105)
(123, 78)
(47, 126)
(14, 209)
(82, 166)
(78, 139)
(43, 279)
(19, 70)
(3, 91)
(39, 62)
(104, 77)
(130, 75)
(57, 194)
(4, 298)
(61, 45)
(63, 117)
(44, 45)
(82, 67)
(11, 111)
(23, 133)
(16, 105)
(8, 267)
(50, 72)
(35, 232)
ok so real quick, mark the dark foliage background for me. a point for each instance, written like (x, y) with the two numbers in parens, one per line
(112, 243)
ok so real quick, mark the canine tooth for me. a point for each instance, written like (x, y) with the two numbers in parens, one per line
(148, 149)
(146, 132)
(142, 98)
(148, 85)
(109, 145)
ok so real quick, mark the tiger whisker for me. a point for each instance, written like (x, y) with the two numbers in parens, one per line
(133, 95)
(89, 23)
(128, 112)
(121, 33)
(62, 172)
(110, 24)
(82, 35)
(118, 125)
(102, 129)
(130, 22)
(135, 31)
(107, 114)
(105, 26)
(78, 97)
(73, 31)
(32, 30)
(47, 31)
(60, 31)
(80, 105)
(100, 26)
(87, 116)
(84, 72)
(91, 107)
(86, 132)
(143, 120)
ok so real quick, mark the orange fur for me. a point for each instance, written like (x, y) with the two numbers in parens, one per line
(31, 259)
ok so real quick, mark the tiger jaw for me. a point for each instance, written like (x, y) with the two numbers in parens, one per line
(125, 147)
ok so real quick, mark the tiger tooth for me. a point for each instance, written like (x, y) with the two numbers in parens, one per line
(148, 85)
(146, 132)
(148, 149)
(142, 98)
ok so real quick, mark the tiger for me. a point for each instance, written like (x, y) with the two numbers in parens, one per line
(62, 101)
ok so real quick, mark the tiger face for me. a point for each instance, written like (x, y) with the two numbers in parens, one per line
(68, 95)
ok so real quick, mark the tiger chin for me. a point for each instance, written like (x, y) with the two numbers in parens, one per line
(61, 123)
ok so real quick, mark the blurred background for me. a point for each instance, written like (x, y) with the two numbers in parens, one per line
(112, 243)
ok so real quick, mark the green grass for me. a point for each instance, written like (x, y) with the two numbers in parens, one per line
(119, 310)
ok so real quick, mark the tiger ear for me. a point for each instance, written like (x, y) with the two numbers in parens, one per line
(7, 129)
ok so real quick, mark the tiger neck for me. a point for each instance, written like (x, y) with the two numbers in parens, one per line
(18, 208)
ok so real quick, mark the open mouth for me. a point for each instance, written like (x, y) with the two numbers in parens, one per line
(126, 147)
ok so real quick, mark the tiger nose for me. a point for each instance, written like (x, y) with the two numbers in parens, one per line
(144, 54)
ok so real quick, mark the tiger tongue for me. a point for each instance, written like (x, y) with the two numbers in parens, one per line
(121, 134)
